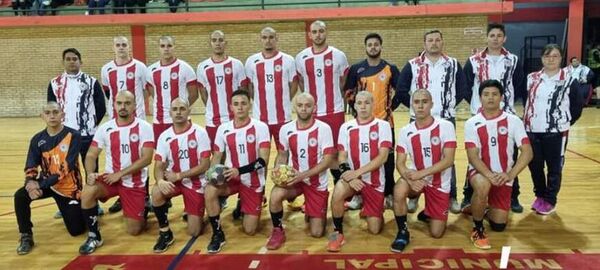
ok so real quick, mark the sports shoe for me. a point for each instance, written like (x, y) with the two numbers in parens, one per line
(165, 239)
(90, 245)
(423, 217)
(480, 240)
(389, 202)
(413, 204)
(277, 238)
(545, 208)
(355, 203)
(184, 216)
(217, 241)
(515, 206)
(465, 204)
(401, 241)
(237, 212)
(100, 211)
(116, 207)
(25, 244)
(454, 206)
(336, 241)
(536, 204)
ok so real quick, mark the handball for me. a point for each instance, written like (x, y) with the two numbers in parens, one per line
(216, 174)
(282, 174)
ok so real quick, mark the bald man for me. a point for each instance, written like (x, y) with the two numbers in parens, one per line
(306, 145)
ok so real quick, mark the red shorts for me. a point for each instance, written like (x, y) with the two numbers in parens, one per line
(132, 199)
(335, 121)
(315, 201)
(436, 203)
(193, 201)
(499, 197)
(274, 130)
(372, 202)
(212, 133)
(251, 200)
(159, 129)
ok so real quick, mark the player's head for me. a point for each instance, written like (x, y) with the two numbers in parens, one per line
(575, 61)
(373, 45)
(318, 33)
(490, 94)
(125, 104)
(363, 105)
(71, 60)
(179, 111)
(269, 38)
(496, 36)
(421, 103)
(551, 56)
(166, 45)
(304, 104)
(240, 104)
(434, 42)
(52, 114)
(121, 46)
(218, 42)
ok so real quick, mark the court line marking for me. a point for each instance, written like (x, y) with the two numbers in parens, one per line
(583, 156)
(182, 253)
(34, 207)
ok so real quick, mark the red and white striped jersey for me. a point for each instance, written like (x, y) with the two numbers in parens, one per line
(307, 148)
(321, 73)
(183, 151)
(425, 146)
(496, 139)
(271, 78)
(362, 143)
(123, 146)
(220, 79)
(130, 76)
(169, 82)
(241, 146)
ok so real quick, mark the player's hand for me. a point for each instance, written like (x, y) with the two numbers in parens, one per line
(112, 178)
(231, 173)
(35, 193)
(32, 185)
(417, 185)
(356, 184)
(503, 178)
(350, 175)
(91, 178)
(172, 176)
(418, 175)
(410, 175)
(298, 177)
(165, 187)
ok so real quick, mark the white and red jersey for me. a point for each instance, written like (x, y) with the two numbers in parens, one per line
(169, 82)
(184, 151)
(130, 76)
(496, 139)
(307, 147)
(271, 78)
(220, 79)
(321, 73)
(123, 146)
(241, 146)
(362, 143)
(425, 146)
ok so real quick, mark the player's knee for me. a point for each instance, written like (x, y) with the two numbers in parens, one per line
(497, 227)
(134, 230)
(21, 194)
(437, 234)
(250, 231)
(195, 231)
(76, 230)
(316, 232)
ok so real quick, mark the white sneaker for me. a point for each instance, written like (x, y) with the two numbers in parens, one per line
(413, 204)
(355, 203)
(389, 202)
(454, 206)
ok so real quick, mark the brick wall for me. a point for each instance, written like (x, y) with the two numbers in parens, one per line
(33, 55)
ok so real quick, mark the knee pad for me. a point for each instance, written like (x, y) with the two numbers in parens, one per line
(497, 227)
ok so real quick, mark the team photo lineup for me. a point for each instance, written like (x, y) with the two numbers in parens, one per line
(331, 124)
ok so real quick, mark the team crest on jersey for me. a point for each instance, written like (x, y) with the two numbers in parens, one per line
(382, 76)
(250, 138)
(435, 140)
(373, 135)
(227, 70)
(503, 130)
(134, 137)
(130, 75)
(278, 68)
(83, 86)
(312, 142)
(192, 144)
(63, 147)
(174, 76)
(328, 62)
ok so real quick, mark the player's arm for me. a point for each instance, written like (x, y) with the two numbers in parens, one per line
(90, 163)
(469, 80)
(196, 170)
(404, 83)
(441, 165)
(461, 84)
(477, 163)
(139, 164)
(401, 165)
(50, 95)
(99, 102)
(159, 170)
(374, 163)
(192, 88)
(523, 160)
(575, 101)
(203, 94)
(282, 157)
(72, 158)
(301, 82)
(34, 159)
(321, 166)
(293, 87)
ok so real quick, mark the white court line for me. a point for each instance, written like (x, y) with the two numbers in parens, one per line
(504, 257)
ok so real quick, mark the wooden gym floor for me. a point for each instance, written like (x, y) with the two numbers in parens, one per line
(568, 239)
